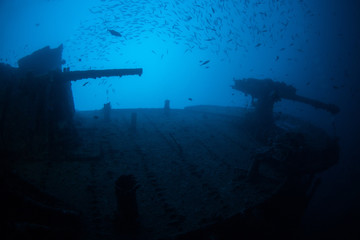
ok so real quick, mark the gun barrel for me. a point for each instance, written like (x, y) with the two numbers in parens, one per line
(262, 88)
(332, 108)
(77, 75)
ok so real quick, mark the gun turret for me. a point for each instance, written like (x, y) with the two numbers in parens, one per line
(271, 92)
(47, 60)
(37, 100)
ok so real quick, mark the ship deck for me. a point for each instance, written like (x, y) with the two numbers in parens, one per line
(190, 166)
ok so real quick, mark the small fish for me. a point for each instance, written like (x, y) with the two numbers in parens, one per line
(85, 83)
(79, 59)
(96, 117)
(277, 58)
(190, 99)
(258, 45)
(114, 33)
(206, 62)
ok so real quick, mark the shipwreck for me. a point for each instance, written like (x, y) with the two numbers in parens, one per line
(202, 172)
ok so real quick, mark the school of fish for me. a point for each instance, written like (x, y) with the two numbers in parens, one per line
(218, 26)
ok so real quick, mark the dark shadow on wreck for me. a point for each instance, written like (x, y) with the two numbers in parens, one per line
(203, 172)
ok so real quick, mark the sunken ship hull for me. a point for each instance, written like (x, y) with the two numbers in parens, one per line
(201, 172)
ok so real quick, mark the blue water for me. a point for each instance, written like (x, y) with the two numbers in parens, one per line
(311, 44)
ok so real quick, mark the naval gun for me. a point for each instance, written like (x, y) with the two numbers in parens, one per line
(36, 98)
(267, 92)
(47, 60)
(43, 74)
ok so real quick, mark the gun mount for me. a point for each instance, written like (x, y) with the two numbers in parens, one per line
(267, 92)
(38, 95)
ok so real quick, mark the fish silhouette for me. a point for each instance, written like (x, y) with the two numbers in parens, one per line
(114, 33)
(206, 62)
